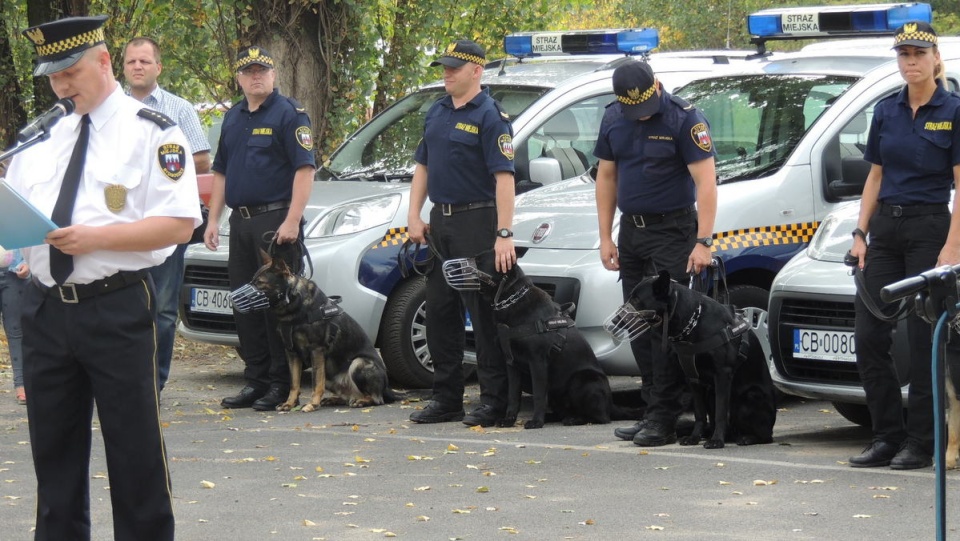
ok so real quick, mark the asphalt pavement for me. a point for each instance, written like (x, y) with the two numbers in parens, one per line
(364, 474)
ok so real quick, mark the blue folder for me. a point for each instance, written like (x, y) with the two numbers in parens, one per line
(21, 224)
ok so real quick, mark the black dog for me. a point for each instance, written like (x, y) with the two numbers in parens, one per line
(316, 330)
(719, 352)
(540, 340)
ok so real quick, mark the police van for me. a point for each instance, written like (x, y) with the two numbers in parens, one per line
(789, 131)
(554, 85)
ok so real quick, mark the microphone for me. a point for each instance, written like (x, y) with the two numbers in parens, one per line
(42, 124)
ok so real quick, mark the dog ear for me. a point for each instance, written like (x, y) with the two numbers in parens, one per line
(265, 257)
(661, 287)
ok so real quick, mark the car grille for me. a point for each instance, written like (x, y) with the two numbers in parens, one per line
(206, 276)
(561, 290)
(812, 314)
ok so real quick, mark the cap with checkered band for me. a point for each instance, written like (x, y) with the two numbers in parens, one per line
(460, 52)
(636, 90)
(61, 43)
(253, 55)
(918, 34)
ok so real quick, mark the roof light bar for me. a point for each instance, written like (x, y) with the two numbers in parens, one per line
(623, 41)
(834, 21)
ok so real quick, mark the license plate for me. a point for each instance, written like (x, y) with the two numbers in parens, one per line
(824, 345)
(211, 301)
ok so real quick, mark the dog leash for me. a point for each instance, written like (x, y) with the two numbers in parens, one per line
(294, 252)
(902, 311)
(407, 260)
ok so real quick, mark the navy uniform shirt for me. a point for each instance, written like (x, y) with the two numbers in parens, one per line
(651, 155)
(463, 149)
(917, 154)
(260, 151)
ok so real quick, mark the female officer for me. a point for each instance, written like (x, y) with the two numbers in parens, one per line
(914, 146)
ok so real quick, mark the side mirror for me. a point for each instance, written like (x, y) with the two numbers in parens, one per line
(545, 171)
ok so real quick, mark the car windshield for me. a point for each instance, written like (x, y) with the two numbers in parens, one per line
(382, 150)
(756, 121)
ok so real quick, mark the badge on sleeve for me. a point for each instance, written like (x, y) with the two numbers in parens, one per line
(701, 136)
(115, 195)
(305, 137)
(505, 142)
(172, 158)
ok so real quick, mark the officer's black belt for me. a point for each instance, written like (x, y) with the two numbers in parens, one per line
(902, 211)
(249, 211)
(449, 208)
(643, 220)
(74, 293)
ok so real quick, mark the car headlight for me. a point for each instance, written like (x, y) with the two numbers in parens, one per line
(357, 216)
(832, 239)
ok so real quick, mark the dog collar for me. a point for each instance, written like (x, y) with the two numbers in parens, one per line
(511, 300)
(329, 310)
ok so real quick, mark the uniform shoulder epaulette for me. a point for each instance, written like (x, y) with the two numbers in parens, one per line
(682, 103)
(505, 116)
(296, 105)
(157, 118)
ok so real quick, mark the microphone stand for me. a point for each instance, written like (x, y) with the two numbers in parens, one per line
(39, 138)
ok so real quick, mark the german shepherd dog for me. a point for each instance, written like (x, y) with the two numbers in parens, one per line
(718, 351)
(540, 341)
(316, 330)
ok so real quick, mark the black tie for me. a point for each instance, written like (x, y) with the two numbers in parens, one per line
(61, 264)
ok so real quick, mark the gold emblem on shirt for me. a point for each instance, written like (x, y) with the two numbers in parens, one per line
(115, 196)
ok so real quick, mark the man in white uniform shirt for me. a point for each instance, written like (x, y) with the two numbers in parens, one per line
(88, 315)
(141, 67)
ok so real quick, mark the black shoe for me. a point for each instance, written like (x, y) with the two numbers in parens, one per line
(877, 454)
(247, 396)
(483, 416)
(911, 457)
(628, 432)
(269, 402)
(435, 412)
(654, 434)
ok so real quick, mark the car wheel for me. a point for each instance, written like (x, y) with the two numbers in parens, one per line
(857, 414)
(403, 336)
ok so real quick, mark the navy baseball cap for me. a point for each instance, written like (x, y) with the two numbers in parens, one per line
(636, 90)
(61, 43)
(460, 52)
(918, 34)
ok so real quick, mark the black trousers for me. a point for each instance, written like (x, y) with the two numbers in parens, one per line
(665, 246)
(899, 247)
(463, 234)
(100, 349)
(261, 348)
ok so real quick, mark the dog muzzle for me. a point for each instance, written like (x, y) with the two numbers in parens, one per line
(247, 298)
(628, 323)
(463, 275)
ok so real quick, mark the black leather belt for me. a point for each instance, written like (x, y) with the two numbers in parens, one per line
(900, 211)
(448, 208)
(74, 293)
(643, 220)
(249, 211)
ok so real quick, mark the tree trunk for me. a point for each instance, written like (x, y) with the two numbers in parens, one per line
(39, 12)
(11, 108)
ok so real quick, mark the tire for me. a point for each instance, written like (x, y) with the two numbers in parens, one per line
(857, 414)
(403, 336)
(747, 296)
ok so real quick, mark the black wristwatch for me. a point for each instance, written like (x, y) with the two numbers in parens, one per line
(706, 241)
(504, 233)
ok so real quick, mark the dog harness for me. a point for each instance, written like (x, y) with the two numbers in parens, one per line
(687, 351)
(327, 310)
(554, 324)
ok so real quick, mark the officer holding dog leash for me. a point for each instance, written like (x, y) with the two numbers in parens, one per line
(465, 164)
(656, 161)
(263, 170)
(914, 149)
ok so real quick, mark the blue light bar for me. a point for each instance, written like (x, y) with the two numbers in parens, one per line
(623, 41)
(834, 21)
